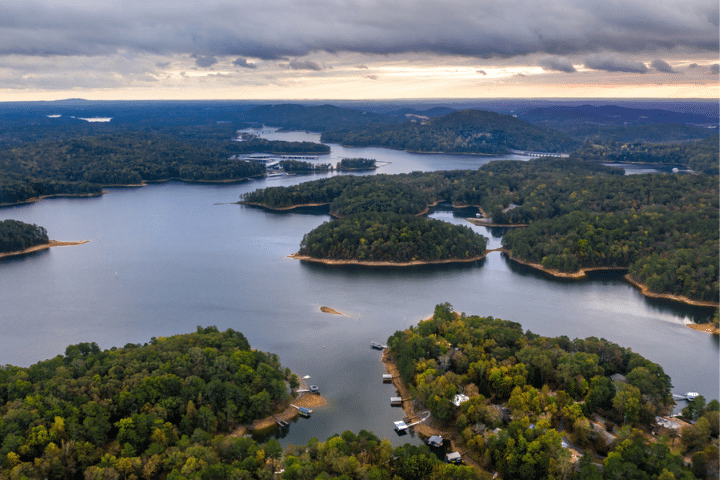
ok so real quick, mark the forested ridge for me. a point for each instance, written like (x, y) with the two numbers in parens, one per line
(80, 162)
(165, 410)
(701, 156)
(467, 131)
(388, 237)
(526, 392)
(16, 236)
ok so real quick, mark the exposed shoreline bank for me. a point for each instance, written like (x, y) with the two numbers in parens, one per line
(582, 273)
(307, 400)
(281, 209)
(328, 261)
(430, 427)
(58, 195)
(44, 246)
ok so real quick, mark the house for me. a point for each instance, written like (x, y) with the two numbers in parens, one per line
(435, 441)
(453, 457)
(460, 398)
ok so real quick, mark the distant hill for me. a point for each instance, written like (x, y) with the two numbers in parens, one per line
(314, 118)
(466, 131)
(612, 123)
(610, 115)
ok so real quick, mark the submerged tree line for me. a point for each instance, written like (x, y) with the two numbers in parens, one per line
(662, 228)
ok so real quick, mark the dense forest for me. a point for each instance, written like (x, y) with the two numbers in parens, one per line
(526, 392)
(16, 236)
(661, 227)
(388, 237)
(298, 166)
(467, 131)
(356, 164)
(166, 409)
(345, 195)
(73, 165)
(700, 156)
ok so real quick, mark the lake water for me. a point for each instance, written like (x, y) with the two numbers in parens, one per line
(165, 258)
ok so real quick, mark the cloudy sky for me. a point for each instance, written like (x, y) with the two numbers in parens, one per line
(357, 49)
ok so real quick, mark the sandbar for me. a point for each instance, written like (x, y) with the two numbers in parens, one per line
(44, 246)
(328, 261)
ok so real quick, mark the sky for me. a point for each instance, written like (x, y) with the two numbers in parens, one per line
(358, 49)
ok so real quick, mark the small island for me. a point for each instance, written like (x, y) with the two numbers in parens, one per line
(356, 164)
(390, 239)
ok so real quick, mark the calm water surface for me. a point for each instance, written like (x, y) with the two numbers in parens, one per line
(165, 258)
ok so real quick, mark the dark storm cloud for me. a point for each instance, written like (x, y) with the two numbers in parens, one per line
(205, 61)
(614, 63)
(662, 66)
(296, 64)
(243, 63)
(285, 28)
(557, 64)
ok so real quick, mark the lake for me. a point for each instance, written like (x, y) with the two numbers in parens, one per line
(166, 258)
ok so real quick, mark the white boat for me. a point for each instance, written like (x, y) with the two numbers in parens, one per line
(691, 396)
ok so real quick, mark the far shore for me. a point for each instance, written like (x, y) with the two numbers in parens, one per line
(328, 261)
(44, 246)
(282, 209)
(43, 197)
(482, 222)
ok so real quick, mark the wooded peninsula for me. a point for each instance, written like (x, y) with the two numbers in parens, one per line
(531, 401)
(662, 228)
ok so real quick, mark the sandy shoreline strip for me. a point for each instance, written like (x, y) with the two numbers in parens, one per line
(282, 209)
(582, 274)
(44, 246)
(327, 261)
(305, 399)
(430, 427)
(680, 298)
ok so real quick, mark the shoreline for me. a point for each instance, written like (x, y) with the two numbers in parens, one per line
(57, 195)
(582, 273)
(429, 427)
(281, 209)
(44, 246)
(305, 399)
(368, 263)
(669, 296)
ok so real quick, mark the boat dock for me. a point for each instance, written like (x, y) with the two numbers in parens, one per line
(689, 396)
(281, 423)
(378, 345)
(401, 425)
